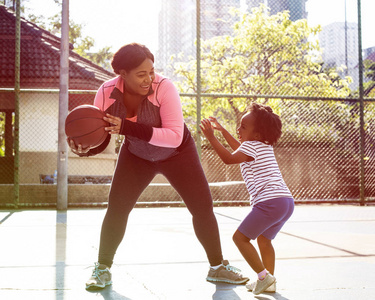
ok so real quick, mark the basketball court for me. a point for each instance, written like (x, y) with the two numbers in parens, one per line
(323, 252)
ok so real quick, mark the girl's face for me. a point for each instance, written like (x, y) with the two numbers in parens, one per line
(138, 81)
(246, 131)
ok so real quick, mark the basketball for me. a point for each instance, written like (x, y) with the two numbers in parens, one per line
(85, 126)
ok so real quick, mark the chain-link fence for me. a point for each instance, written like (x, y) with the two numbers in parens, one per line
(264, 51)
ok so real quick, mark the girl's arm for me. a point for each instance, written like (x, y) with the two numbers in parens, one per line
(233, 143)
(224, 154)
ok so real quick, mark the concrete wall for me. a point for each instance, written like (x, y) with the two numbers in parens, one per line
(83, 194)
(39, 142)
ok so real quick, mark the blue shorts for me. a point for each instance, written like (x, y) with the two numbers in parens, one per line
(267, 218)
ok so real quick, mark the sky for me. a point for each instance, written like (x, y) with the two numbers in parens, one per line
(325, 12)
(117, 22)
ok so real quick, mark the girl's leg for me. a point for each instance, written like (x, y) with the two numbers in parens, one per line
(132, 175)
(281, 210)
(248, 251)
(263, 223)
(267, 252)
(185, 173)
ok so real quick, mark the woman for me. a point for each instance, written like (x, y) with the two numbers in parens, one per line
(146, 108)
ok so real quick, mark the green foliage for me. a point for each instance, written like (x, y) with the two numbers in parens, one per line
(318, 122)
(2, 134)
(266, 55)
(102, 57)
(369, 72)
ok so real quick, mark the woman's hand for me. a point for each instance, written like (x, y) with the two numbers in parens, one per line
(207, 128)
(116, 124)
(77, 149)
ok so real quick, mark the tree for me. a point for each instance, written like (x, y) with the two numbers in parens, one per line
(369, 86)
(81, 44)
(266, 55)
(2, 134)
(369, 91)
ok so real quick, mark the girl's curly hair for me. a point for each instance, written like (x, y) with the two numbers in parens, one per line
(267, 123)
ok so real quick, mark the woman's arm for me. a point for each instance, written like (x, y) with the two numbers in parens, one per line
(171, 132)
(172, 122)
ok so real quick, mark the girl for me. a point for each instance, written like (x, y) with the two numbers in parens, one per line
(271, 201)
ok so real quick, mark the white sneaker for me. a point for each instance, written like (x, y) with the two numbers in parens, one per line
(100, 278)
(227, 274)
(262, 285)
(270, 289)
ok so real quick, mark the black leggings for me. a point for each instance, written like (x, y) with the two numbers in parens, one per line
(185, 174)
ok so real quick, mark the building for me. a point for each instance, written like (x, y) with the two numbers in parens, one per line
(296, 8)
(177, 27)
(339, 42)
(177, 32)
(216, 19)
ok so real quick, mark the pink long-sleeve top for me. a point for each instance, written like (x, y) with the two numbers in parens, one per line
(158, 128)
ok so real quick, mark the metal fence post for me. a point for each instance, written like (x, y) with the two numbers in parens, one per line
(199, 86)
(62, 156)
(16, 145)
(361, 108)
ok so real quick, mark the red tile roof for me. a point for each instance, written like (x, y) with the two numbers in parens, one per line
(40, 58)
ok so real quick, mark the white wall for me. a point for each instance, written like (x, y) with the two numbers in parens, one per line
(39, 122)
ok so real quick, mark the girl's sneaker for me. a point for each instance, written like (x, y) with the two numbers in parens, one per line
(262, 285)
(270, 289)
(100, 278)
(227, 274)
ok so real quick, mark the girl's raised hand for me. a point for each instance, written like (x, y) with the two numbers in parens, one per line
(216, 125)
(207, 128)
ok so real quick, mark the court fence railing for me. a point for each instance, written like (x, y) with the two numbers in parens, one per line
(325, 156)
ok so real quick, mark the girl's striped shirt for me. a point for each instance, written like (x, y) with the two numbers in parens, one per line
(262, 175)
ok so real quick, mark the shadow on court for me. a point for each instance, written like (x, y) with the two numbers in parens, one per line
(323, 252)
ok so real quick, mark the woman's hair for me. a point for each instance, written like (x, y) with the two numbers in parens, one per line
(129, 57)
(267, 123)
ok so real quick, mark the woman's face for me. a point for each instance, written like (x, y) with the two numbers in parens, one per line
(138, 81)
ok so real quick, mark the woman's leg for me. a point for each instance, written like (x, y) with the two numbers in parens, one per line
(185, 173)
(132, 175)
